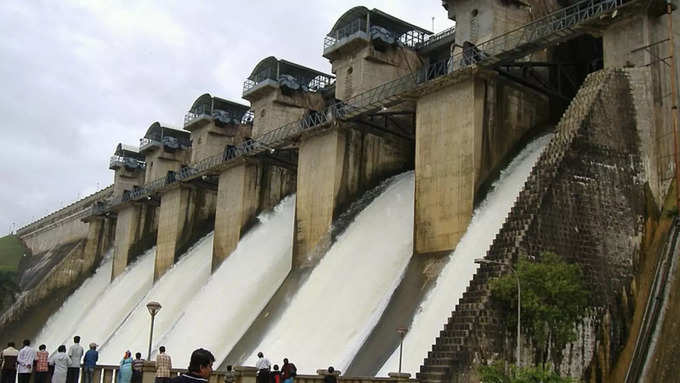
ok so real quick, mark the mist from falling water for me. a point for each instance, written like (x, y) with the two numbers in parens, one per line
(61, 324)
(221, 312)
(328, 319)
(112, 305)
(486, 222)
(176, 287)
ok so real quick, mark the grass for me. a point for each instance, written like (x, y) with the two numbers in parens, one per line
(11, 252)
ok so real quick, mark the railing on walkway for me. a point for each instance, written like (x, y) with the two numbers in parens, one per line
(242, 374)
(446, 35)
(512, 45)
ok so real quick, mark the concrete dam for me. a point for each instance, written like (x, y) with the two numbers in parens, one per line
(336, 208)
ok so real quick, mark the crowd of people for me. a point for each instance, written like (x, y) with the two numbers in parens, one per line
(65, 367)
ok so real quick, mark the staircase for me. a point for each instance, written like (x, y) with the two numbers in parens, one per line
(473, 332)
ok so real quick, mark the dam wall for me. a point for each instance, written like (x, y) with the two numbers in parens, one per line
(64, 225)
(585, 201)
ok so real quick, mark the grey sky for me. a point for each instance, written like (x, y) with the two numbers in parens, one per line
(78, 77)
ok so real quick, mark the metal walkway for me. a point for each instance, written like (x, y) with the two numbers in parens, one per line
(566, 23)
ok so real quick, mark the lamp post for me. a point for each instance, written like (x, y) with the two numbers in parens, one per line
(402, 332)
(154, 308)
(519, 318)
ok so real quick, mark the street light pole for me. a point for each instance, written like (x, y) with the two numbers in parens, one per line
(154, 308)
(519, 300)
(402, 332)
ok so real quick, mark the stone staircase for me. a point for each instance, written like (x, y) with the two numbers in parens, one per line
(474, 332)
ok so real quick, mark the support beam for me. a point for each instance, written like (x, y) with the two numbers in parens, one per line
(172, 217)
(126, 230)
(448, 157)
(237, 204)
(94, 243)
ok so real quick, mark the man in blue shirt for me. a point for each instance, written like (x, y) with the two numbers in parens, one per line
(89, 362)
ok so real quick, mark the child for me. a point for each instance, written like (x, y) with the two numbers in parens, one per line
(276, 374)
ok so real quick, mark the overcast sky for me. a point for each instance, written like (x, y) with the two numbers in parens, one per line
(78, 77)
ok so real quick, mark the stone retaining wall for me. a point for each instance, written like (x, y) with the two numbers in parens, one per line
(584, 200)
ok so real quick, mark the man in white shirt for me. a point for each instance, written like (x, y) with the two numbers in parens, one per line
(25, 360)
(263, 364)
(75, 352)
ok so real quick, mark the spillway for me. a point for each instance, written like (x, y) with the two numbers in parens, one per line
(221, 312)
(328, 319)
(176, 287)
(486, 222)
(61, 324)
(94, 322)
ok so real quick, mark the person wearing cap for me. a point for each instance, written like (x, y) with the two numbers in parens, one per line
(89, 362)
(200, 368)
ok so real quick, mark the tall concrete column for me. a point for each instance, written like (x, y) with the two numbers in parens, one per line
(449, 126)
(93, 245)
(320, 166)
(237, 204)
(126, 233)
(172, 217)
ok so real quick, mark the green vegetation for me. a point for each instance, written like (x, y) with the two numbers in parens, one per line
(11, 251)
(495, 373)
(553, 298)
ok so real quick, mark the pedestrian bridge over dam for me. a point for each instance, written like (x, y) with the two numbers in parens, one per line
(453, 106)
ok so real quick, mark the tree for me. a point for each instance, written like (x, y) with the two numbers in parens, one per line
(554, 299)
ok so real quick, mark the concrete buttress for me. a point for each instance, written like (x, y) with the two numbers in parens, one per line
(126, 229)
(237, 204)
(172, 217)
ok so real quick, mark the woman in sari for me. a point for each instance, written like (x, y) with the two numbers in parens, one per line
(125, 371)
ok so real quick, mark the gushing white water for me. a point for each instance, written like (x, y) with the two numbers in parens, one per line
(172, 290)
(62, 323)
(328, 319)
(238, 290)
(487, 220)
(114, 304)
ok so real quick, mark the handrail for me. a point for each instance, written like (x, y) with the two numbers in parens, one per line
(513, 44)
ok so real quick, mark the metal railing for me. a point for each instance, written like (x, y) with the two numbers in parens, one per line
(145, 143)
(445, 35)
(202, 111)
(516, 43)
(355, 26)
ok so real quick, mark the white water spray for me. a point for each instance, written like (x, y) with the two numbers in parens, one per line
(331, 315)
(176, 287)
(238, 290)
(114, 304)
(487, 220)
(64, 322)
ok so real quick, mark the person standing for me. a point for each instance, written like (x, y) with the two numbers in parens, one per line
(276, 374)
(75, 352)
(163, 366)
(200, 368)
(263, 365)
(137, 367)
(330, 376)
(288, 371)
(25, 359)
(9, 363)
(42, 370)
(229, 376)
(61, 363)
(125, 371)
(89, 363)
